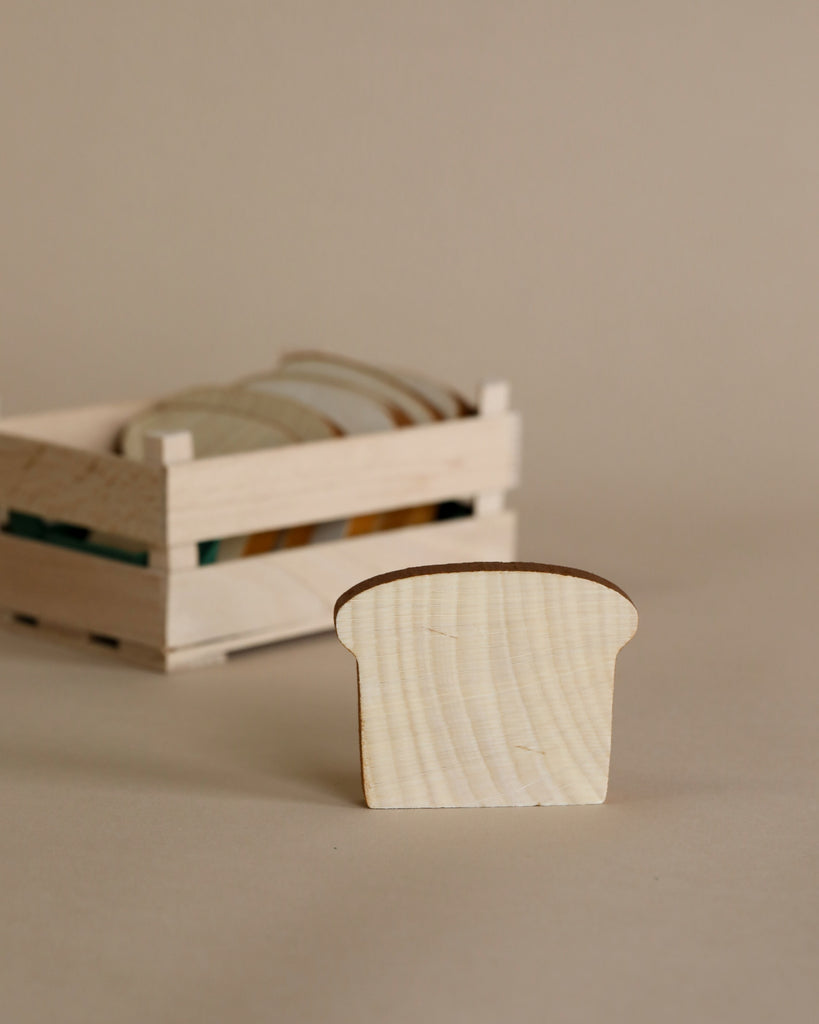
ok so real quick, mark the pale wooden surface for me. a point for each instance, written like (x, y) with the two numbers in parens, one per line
(493, 400)
(232, 606)
(91, 489)
(95, 427)
(294, 591)
(485, 687)
(614, 204)
(185, 616)
(167, 449)
(71, 588)
(337, 478)
(355, 412)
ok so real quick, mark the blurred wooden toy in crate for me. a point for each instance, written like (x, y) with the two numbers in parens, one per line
(223, 518)
(485, 684)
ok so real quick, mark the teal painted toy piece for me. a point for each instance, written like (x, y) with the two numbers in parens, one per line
(75, 538)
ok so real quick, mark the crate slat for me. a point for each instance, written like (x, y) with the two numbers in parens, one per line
(85, 488)
(81, 591)
(93, 427)
(326, 480)
(293, 592)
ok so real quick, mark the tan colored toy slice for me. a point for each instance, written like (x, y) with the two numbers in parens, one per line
(227, 420)
(299, 419)
(214, 432)
(485, 684)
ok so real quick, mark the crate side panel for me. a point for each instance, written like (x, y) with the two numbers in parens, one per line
(92, 427)
(293, 592)
(325, 480)
(104, 492)
(80, 591)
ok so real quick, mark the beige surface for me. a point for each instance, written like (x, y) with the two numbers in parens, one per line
(615, 206)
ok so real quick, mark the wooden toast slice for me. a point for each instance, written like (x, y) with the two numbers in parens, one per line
(485, 684)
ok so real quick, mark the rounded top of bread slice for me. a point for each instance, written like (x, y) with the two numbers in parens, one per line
(447, 581)
(356, 375)
(226, 420)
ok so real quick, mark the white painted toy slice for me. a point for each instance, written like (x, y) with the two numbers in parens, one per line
(485, 684)
(302, 421)
(354, 413)
(447, 401)
(362, 377)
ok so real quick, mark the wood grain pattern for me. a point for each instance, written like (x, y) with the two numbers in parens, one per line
(485, 685)
(169, 448)
(324, 480)
(176, 613)
(355, 412)
(493, 400)
(73, 589)
(365, 380)
(288, 593)
(100, 491)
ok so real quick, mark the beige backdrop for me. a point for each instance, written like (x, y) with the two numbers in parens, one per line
(613, 204)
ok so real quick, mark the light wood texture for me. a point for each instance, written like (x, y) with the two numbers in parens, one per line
(195, 617)
(94, 427)
(168, 449)
(74, 589)
(328, 480)
(229, 419)
(214, 432)
(176, 613)
(364, 379)
(355, 412)
(493, 400)
(103, 492)
(485, 685)
(291, 592)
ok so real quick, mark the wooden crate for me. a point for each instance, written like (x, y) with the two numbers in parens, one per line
(174, 612)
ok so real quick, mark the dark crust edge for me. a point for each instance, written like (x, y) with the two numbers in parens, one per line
(447, 567)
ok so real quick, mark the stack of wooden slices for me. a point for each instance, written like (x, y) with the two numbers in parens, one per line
(309, 396)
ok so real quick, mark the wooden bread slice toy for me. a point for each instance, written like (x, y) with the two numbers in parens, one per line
(213, 432)
(363, 377)
(224, 420)
(485, 684)
(420, 401)
(449, 403)
(355, 412)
